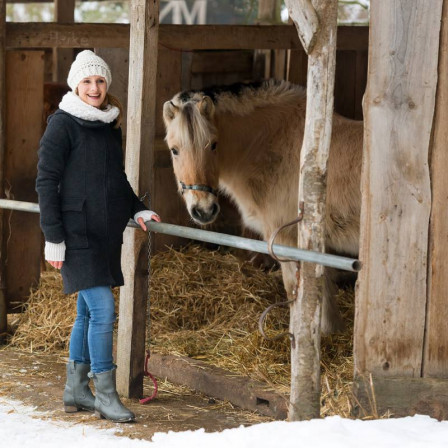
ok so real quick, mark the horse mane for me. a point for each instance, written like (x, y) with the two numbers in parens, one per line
(244, 98)
(194, 130)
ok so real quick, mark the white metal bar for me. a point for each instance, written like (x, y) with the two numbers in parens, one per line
(292, 253)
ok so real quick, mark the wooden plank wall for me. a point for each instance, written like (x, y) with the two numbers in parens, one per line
(436, 341)
(24, 103)
(396, 190)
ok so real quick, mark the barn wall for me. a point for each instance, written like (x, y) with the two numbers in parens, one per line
(24, 103)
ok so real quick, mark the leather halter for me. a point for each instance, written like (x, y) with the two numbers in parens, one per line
(205, 188)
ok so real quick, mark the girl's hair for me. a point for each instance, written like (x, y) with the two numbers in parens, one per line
(113, 101)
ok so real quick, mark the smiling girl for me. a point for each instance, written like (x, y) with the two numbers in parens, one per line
(85, 203)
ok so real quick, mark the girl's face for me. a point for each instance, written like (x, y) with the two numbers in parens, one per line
(92, 90)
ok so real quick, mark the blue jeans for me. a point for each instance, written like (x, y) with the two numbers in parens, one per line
(91, 340)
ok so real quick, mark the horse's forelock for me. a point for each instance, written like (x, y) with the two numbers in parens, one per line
(194, 129)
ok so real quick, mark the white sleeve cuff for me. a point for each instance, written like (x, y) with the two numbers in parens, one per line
(147, 215)
(54, 251)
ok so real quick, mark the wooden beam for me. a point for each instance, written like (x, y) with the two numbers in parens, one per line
(141, 127)
(64, 12)
(179, 37)
(219, 383)
(306, 309)
(398, 109)
(436, 340)
(3, 303)
(400, 397)
(44, 1)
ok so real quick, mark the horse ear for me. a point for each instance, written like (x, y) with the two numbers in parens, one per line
(169, 112)
(206, 107)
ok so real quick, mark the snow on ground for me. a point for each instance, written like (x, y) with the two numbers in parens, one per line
(22, 427)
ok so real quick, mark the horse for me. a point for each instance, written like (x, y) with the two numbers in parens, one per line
(244, 141)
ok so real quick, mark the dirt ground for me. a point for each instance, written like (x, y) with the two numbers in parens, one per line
(38, 379)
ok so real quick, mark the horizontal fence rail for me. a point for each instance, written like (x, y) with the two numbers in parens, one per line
(291, 253)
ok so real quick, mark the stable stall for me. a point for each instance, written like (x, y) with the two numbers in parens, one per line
(399, 334)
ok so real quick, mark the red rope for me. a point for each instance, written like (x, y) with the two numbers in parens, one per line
(154, 381)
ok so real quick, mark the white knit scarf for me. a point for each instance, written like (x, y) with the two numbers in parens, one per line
(74, 105)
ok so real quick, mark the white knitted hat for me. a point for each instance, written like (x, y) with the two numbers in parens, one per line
(86, 64)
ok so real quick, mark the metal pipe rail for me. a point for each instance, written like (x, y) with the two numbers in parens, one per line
(291, 253)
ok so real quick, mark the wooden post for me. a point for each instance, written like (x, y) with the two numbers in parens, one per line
(24, 101)
(436, 340)
(268, 63)
(3, 303)
(140, 171)
(306, 309)
(268, 11)
(398, 109)
(64, 12)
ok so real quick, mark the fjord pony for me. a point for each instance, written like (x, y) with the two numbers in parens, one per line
(245, 141)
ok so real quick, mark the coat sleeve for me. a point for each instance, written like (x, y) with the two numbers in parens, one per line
(52, 157)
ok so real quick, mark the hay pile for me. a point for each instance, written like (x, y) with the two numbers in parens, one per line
(206, 305)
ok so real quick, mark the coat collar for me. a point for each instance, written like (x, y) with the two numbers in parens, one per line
(75, 106)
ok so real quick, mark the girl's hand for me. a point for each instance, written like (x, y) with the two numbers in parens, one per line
(56, 264)
(142, 224)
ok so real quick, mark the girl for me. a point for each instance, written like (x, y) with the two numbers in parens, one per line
(85, 203)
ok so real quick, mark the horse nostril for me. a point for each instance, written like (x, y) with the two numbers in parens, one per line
(215, 209)
(204, 216)
(197, 214)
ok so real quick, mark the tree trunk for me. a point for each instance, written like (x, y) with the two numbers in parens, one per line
(306, 309)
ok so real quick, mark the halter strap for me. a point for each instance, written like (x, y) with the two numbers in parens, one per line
(205, 188)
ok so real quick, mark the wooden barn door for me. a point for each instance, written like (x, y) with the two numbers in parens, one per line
(22, 235)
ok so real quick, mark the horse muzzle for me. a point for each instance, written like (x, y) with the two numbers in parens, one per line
(202, 208)
(204, 215)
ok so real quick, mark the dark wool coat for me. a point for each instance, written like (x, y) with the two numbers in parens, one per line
(85, 198)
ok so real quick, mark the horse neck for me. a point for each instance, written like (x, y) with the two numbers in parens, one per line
(243, 138)
(235, 135)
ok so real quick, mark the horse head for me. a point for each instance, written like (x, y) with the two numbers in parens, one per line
(191, 136)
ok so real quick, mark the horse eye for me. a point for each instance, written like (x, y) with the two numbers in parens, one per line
(214, 146)
(174, 151)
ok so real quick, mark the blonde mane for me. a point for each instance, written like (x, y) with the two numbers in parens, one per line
(243, 99)
(194, 131)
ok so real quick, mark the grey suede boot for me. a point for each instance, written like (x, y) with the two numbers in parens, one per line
(107, 401)
(77, 394)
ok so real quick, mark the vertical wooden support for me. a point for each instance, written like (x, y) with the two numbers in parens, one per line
(64, 12)
(140, 170)
(306, 309)
(24, 101)
(436, 340)
(266, 63)
(398, 110)
(267, 11)
(3, 304)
